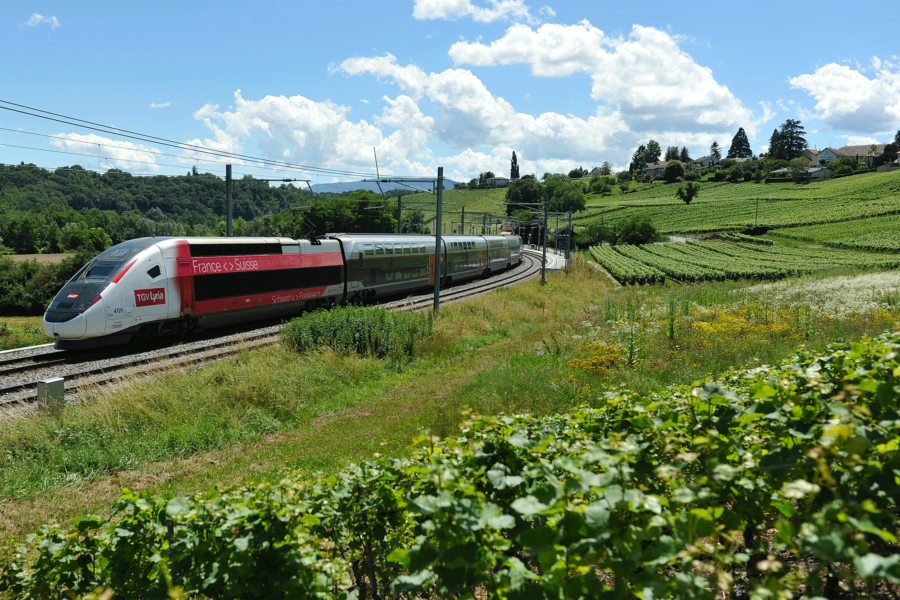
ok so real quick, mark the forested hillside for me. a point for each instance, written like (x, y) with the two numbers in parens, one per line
(42, 210)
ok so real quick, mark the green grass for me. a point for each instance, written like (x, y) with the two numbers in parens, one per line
(19, 332)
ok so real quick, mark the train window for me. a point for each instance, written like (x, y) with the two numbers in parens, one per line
(398, 248)
(415, 248)
(379, 249)
(369, 249)
(388, 248)
(154, 272)
(422, 248)
(406, 249)
(388, 276)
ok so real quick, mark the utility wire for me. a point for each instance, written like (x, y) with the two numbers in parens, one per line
(166, 142)
(155, 153)
(143, 162)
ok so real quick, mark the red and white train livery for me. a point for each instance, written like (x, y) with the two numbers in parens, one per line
(155, 286)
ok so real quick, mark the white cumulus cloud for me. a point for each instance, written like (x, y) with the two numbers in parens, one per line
(160, 105)
(654, 83)
(849, 100)
(108, 153)
(37, 19)
(514, 10)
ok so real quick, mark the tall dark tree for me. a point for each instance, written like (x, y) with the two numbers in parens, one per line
(514, 167)
(776, 146)
(740, 145)
(715, 152)
(671, 153)
(653, 152)
(684, 156)
(637, 159)
(897, 137)
(792, 139)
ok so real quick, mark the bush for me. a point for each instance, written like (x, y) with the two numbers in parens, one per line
(375, 332)
(636, 229)
(673, 171)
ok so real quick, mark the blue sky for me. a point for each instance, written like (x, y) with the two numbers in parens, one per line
(457, 83)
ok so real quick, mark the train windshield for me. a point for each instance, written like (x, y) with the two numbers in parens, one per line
(82, 291)
(111, 261)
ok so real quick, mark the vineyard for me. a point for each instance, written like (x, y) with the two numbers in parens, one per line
(776, 482)
(878, 235)
(715, 260)
(724, 206)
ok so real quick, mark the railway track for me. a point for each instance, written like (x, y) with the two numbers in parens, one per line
(86, 370)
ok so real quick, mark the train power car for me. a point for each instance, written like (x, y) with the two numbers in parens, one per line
(149, 287)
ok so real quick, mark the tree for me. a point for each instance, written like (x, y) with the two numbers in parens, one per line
(636, 229)
(792, 140)
(637, 159)
(595, 234)
(740, 145)
(526, 190)
(688, 192)
(671, 153)
(776, 146)
(673, 171)
(715, 153)
(897, 138)
(652, 153)
(798, 168)
(684, 156)
(473, 184)
(599, 185)
(514, 167)
(606, 168)
(577, 173)
(565, 195)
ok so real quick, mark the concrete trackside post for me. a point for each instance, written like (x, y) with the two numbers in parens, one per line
(51, 394)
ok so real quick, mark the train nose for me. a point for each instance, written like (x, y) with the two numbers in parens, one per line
(69, 330)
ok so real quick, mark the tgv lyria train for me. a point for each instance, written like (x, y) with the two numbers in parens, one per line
(155, 286)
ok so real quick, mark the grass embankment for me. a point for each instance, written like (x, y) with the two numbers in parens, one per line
(19, 332)
(525, 348)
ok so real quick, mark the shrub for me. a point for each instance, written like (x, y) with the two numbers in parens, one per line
(375, 332)
(673, 171)
(636, 229)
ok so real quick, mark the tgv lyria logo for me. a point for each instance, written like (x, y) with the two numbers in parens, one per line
(150, 297)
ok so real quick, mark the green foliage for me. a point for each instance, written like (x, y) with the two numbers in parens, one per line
(27, 287)
(668, 495)
(740, 145)
(523, 191)
(673, 171)
(652, 152)
(637, 229)
(365, 331)
(565, 194)
(717, 260)
(624, 269)
(514, 167)
(688, 192)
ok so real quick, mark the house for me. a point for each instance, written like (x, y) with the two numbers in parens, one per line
(820, 173)
(811, 172)
(742, 160)
(812, 156)
(496, 182)
(656, 169)
(702, 163)
(862, 153)
(594, 172)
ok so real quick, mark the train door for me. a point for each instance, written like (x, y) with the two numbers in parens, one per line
(187, 287)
